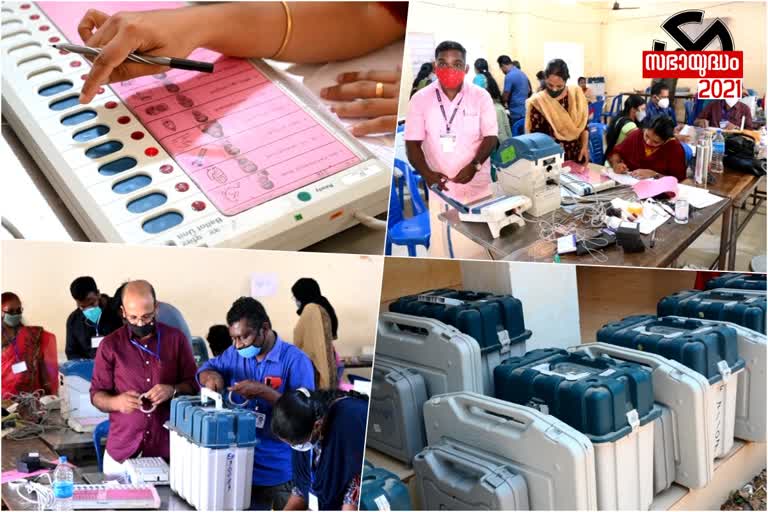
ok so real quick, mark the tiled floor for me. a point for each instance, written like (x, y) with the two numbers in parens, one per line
(704, 250)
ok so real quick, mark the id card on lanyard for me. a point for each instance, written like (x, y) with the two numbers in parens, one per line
(20, 366)
(313, 504)
(145, 349)
(448, 139)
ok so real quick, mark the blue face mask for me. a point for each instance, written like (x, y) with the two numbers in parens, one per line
(249, 351)
(93, 314)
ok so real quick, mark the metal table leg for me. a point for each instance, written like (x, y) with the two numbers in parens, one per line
(734, 238)
(725, 237)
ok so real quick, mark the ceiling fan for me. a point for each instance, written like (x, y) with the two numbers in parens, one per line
(617, 7)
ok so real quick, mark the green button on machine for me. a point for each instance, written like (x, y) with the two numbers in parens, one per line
(304, 196)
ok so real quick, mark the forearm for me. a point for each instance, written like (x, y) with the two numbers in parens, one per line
(486, 148)
(296, 503)
(416, 156)
(258, 29)
(271, 396)
(584, 138)
(208, 375)
(103, 401)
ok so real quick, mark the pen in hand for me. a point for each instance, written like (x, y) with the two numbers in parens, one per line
(172, 62)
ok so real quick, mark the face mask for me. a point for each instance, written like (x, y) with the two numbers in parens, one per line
(640, 116)
(93, 314)
(141, 331)
(664, 102)
(12, 320)
(249, 352)
(731, 102)
(553, 93)
(450, 78)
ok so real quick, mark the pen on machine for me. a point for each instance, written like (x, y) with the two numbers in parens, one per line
(172, 62)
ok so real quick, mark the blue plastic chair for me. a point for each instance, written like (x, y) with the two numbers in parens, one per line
(411, 231)
(596, 111)
(518, 128)
(100, 432)
(688, 153)
(596, 151)
(419, 180)
(615, 110)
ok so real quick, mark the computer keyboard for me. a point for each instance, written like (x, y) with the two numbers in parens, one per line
(115, 496)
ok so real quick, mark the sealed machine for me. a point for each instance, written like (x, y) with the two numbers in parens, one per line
(396, 423)
(241, 157)
(496, 322)
(530, 441)
(382, 490)
(683, 452)
(530, 165)
(74, 391)
(211, 452)
(447, 359)
(453, 476)
(738, 282)
(710, 350)
(742, 307)
(610, 402)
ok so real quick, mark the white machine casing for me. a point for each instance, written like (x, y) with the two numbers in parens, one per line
(684, 392)
(74, 391)
(751, 400)
(556, 461)
(530, 165)
(210, 478)
(148, 470)
(286, 222)
(498, 212)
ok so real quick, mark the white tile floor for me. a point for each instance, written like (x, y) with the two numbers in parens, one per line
(703, 251)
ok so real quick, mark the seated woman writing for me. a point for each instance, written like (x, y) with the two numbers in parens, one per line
(560, 111)
(651, 152)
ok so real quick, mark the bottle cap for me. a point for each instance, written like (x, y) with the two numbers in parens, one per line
(62, 459)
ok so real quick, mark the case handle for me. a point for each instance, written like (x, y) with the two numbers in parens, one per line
(490, 411)
(453, 465)
(392, 323)
(208, 394)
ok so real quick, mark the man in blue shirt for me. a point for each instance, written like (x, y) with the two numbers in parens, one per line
(259, 367)
(516, 87)
(659, 105)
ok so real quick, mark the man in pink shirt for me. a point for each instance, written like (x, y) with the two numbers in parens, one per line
(450, 132)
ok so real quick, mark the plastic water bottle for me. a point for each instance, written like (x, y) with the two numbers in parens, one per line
(63, 485)
(718, 152)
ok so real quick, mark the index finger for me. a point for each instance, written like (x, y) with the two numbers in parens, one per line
(92, 19)
(112, 55)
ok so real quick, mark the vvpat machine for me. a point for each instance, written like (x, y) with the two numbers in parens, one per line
(530, 165)
(75, 393)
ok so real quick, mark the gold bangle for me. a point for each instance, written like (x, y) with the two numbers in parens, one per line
(288, 31)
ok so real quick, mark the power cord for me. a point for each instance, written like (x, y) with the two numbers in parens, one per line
(369, 221)
(44, 500)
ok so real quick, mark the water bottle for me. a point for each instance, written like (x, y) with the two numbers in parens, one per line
(701, 162)
(63, 485)
(718, 152)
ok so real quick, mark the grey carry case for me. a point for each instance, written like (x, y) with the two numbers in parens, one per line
(396, 423)
(453, 476)
(556, 461)
(447, 359)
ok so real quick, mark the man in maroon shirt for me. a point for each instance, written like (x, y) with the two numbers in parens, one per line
(137, 370)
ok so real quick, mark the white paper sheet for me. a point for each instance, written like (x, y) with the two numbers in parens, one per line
(263, 284)
(698, 197)
(621, 179)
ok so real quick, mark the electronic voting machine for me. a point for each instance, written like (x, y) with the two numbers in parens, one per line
(242, 157)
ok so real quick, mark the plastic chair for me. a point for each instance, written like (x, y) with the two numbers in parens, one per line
(615, 110)
(401, 165)
(596, 151)
(596, 111)
(407, 231)
(688, 153)
(100, 432)
(518, 128)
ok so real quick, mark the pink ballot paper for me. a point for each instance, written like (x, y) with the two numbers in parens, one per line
(586, 173)
(650, 188)
(240, 137)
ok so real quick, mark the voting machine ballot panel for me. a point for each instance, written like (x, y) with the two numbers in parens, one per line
(241, 157)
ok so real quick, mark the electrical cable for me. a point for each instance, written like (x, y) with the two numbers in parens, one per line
(370, 222)
(8, 225)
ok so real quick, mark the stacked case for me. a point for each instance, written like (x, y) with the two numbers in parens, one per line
(709, 349)
(611, 402)
(495, 321)
(211, 452)
(382, 490)
(738, 281)
(742, 307)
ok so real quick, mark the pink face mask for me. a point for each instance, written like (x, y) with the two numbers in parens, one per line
(450, 78)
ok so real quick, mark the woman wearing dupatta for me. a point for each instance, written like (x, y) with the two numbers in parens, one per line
(651, 152)
(561, 112)
(29, 358)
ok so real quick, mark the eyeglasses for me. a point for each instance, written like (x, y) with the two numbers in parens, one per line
(140, 320)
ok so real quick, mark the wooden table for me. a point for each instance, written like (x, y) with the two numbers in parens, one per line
(738, 187)
(515, 242)
(12, 450)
